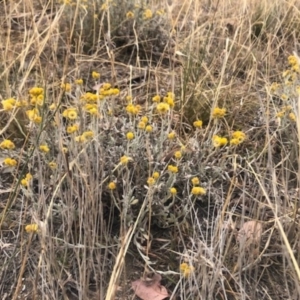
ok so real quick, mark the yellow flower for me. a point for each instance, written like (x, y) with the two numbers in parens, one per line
(141, 125)
(195, 181)
(197, 190)
(219, 141)
(70, 113)
(132, 109)
(198, 124)
(128, 98)
(177, 154)
(95, 75)
(36, 91)
(53, 106)
(66, 87)
(284, 97)
(79, 81)
(186, 269)
(156, 98)
(52, 165)
(10, 162)
(292, 117)
(130, 15)
(280, 114)
(163, 107)
(150, 181)
(130, 135)
(25, 181)
(72, 129)
(173, 191)
(147, 14)
(106, 86)
(33, 115)
(44, 148)
(124, 160)
(292, 60)
(218, 113)
(112, 186)
(88, 134)
(80, 139)
(144, 119)
(171, 135)
(155, 175)
(31, 228)
(149, 128)
(8, 104)
(172, 169)
(234, 142)
(7, 144)
(239, 135)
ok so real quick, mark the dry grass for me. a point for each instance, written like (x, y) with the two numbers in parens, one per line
(239, 238)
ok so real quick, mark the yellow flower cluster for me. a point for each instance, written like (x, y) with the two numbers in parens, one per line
(197, 190)
(25, 181)
(294, 63)
(238, 137)
(37, 96)
(198, 124)
(112, 185)
(31, 228)
(70, 113)
(219, 141)
(7, 144)
(186, 269)
(10, 162)
(152, 180)
(9, 104)
(34, 115)
(133, 109)
(44, 148)
(172, 169)
(218, 113)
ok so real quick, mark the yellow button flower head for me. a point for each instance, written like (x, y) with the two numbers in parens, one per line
(172, 169)
(130, 135)
(66, 87)
(88, 134)
(149, 128)
(7, 144)
(31, 228)
(52, 165)
(132, 109)
(198, 124)
(155, 175)
(239, 135)
(44, 148)
(79, 81)
(292, 60)
(8, 104)
(124, 160)
(130, 15)
(197, 190)
(34, 115)
(195, 181)
(144, 119)
(95, 75)
(70, 113)
(218, 113)
(147, 14)
(177, 154)
(112, 186)
(186, 269)
(171, 135)
(25, 181)
(173, 191)
(141, 125)
(156, 98)
(163, 107)
(73, 128)
(150, 181)
(10, 162)
(219, 141)
(292, 117)
(36, 91)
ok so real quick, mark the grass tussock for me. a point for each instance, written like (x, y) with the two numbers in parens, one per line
(142, 137)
